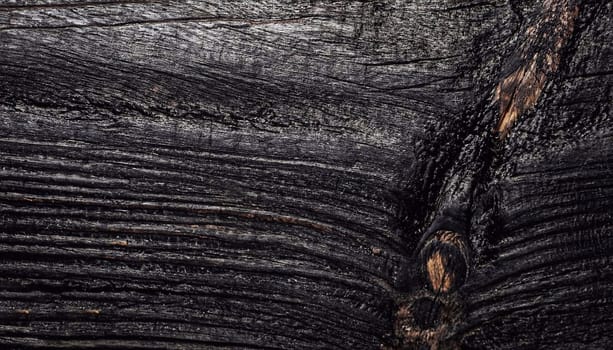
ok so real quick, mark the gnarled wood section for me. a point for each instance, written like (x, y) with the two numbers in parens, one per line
(258, 174)
(546, 276)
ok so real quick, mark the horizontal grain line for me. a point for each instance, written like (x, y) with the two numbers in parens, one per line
(342, 210)
(115, 246)
(171, 314)
(524, 266)
(218, 22)
(243, 213)
(467, 6)
(61, 270)
(168, 224)
(74, 5)
(137, 290)
(212, 155)
(239, 293)
(118, 342)
(404, 62)
(160, 182)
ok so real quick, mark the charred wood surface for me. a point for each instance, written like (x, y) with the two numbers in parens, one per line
(306, 174)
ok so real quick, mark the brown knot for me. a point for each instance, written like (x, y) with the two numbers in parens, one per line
(427, 322)
(444, 261)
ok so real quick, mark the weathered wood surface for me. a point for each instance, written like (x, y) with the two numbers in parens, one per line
(263, 174)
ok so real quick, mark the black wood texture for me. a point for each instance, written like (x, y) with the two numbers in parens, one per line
(261, 174)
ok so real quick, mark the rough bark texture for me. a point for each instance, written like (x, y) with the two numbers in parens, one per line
(273, 174)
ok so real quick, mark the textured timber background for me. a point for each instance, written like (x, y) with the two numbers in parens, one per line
(262, 174)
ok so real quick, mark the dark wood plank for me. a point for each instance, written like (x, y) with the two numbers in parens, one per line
(277, 174)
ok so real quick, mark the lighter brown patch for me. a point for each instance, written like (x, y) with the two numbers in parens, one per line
(517, 93)
(440, 277)
(540, 52)
(94, 312)
(119, 243)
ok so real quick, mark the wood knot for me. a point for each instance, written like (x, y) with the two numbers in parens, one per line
(444, 261)
(426, 322)
(428, 318)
